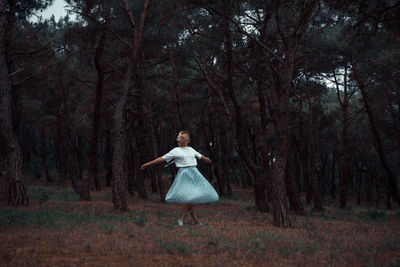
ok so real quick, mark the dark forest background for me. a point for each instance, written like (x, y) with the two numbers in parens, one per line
(297, 99)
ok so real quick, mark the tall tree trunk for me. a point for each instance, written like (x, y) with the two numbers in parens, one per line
(94, 140)
(118, 177)
(12, 191)
(285, 57)
(392, 179)
(313, 144)
(151, 149)
(303, 154)
(279, 207)
(16, 100)
(344, 185)
(119, 182)
(175, 82)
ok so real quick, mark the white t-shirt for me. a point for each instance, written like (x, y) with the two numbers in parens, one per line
(182, 156)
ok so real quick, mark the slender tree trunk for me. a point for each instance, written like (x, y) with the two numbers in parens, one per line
(151, 149)
(313, 139)
(303, 153)
(118, 177)
(118, 182)
(392, 179)
(16, 100)
(344, 185)
(175, 82)
(94, 141)
(279, 208)
(280, 105)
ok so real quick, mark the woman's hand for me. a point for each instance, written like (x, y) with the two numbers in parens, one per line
(153, 162)
(206, 159)
(144, 166)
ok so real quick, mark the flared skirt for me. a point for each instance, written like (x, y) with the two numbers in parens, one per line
(191, 187)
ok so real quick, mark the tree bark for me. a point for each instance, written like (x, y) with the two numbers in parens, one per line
(149, 149)
(344, 185)
(313, 144)
(175, 82)
(13, 190)
(16, 100)
(94, 140)
(279, 208)
(119, 182)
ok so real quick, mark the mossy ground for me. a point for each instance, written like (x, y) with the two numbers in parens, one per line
(59, 230)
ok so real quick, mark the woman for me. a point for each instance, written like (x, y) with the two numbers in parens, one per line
(189, 187)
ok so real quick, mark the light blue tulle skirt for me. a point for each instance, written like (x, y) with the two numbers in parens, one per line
(191, 187)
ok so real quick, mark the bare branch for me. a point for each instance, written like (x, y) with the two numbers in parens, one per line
(240, 30)
(15, 72)
(203, 69)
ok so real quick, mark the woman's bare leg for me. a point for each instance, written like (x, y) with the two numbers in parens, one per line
(185, 209)
(193, 214)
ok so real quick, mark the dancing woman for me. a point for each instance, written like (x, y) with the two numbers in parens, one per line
(190, 186)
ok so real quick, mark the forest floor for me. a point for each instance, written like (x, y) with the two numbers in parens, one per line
(59, 230)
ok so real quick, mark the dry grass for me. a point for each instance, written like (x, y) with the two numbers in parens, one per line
(64, 231)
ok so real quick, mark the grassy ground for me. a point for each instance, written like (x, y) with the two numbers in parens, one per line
(57, 229)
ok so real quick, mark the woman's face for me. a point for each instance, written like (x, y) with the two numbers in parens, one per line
(182, 139)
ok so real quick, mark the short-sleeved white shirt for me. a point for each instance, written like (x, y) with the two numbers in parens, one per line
(182, 156)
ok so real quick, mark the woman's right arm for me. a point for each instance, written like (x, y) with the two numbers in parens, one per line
(150, 163)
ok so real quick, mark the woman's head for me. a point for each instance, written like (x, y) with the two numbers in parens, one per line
(183, 138)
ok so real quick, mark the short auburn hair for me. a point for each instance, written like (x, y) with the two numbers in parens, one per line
(185, 132)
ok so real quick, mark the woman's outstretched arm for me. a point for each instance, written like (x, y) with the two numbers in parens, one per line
(153, 162)
(208, 160)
